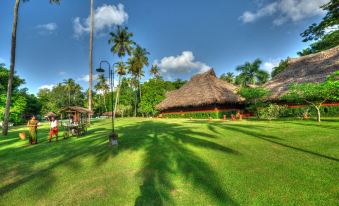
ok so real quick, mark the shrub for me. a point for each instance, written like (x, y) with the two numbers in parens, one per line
(272, 111)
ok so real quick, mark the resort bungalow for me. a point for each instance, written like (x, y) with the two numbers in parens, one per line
(203, 93)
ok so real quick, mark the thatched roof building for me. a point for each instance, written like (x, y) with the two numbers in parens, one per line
(202, 90)
(311, 68)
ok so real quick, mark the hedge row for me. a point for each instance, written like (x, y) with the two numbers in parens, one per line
(290, 112)
(202, 115)
(298, 112)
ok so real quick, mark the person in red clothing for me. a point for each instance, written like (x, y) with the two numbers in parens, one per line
(54, 129)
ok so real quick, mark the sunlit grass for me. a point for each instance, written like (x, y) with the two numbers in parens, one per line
(176, 162)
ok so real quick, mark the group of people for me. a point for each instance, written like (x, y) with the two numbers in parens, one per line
(33, 129)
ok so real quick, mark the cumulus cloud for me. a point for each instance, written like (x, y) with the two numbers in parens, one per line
(47, 86)
(181, 64)
(286, 10)
(105, 17)
(48, 28)
(270, 64)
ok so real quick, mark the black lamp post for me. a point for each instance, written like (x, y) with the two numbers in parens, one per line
(111, 83)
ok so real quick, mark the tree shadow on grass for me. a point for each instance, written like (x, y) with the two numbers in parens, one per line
(273, 139)
(167, 154)
(315, 124)
(166, 149)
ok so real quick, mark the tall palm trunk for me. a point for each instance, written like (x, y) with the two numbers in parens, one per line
(117, 97)
(69, 97)
(140, 85)
(90, 61)
(11, 70)
(105, 101)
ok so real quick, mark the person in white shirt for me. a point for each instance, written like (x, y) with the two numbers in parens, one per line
(54, 129)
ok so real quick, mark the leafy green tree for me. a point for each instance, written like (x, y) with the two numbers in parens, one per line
(103, 88)
(228, 77)
(281, 67)
(12, 64)
(254, 96)
(154, 92)
(328, 41)
(325, 33)
(330, 20)
(178, 83)
(250, 73)
(314, 94)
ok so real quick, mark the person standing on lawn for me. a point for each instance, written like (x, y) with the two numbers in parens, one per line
(54, 129)
(33, 130)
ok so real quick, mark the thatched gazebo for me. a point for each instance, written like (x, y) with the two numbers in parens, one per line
(204, 92)
(311, 68)
(78, 114)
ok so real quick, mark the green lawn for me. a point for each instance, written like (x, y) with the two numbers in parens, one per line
(176, 162)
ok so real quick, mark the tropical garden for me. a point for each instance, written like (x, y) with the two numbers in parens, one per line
(278, 156)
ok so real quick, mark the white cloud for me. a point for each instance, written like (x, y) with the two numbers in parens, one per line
(286, 10)
(48, 28)
(105, 17)
(47, 86)
(181, 64)
(85, 78)
(62, 73)
(270, 64)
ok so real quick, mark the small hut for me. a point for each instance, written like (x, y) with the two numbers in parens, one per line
(203, 93)
(75, 113)
(311, 68)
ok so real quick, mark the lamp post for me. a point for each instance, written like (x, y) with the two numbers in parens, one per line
(112, 136)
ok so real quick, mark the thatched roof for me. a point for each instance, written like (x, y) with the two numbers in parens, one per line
(50, 114)
(311, 68)
(77, 109)
(202, 89)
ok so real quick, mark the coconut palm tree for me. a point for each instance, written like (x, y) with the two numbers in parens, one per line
(70, 85)
(121, 71)
(12, 64)
(121, 41)
(140, 60)
(154, 71)
(90, 79)
(250, 73)
(228, 77)
(122, 44)
(103, 87)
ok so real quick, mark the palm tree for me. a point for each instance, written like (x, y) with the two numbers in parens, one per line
(121, 71)
(228, 77)
(90, 79)
(70, 85)
(12, 64)
(250, 73)
(140, 60)
(154, 71)
(122, 44)
(103, 87)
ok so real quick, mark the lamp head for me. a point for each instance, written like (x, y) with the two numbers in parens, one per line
(100, 70)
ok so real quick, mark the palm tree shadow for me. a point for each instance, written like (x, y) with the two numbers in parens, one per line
(167, 155)
(273, 139)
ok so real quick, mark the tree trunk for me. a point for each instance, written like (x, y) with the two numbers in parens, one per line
(117, 97)
(105, 106)
(11, 70)
(140, 84)
(90, 62)
(135, 104)
(318, 113)
(69, 97)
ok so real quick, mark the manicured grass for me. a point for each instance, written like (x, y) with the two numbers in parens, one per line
(176, 162)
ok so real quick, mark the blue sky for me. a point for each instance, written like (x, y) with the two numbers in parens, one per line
(183, 36)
